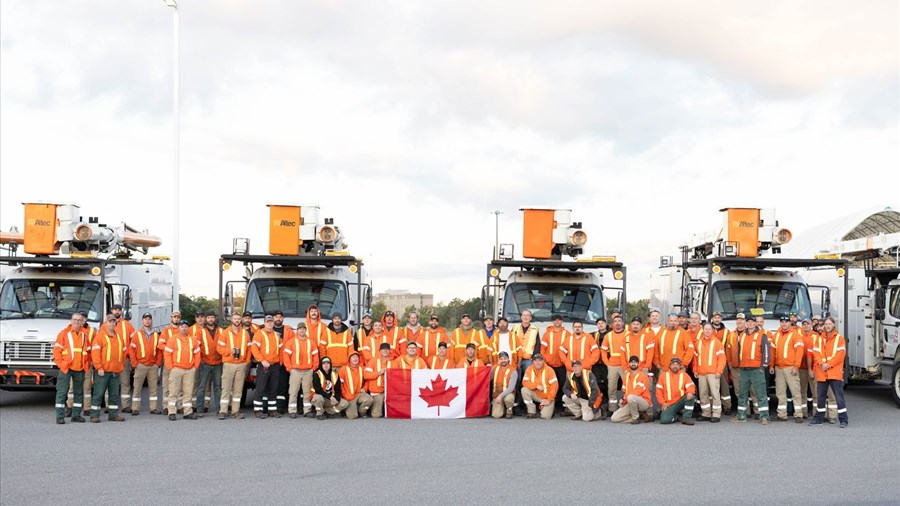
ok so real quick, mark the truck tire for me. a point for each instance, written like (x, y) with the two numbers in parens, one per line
(895, 382)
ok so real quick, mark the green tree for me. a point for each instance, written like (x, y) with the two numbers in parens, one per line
(632, 308)
(190, 305)
(378, 310)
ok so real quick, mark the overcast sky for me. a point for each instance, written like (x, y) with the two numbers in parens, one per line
(409, 122)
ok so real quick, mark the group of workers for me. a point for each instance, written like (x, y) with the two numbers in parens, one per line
(322, 369)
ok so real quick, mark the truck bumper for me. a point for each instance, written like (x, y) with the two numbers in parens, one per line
(28, 378)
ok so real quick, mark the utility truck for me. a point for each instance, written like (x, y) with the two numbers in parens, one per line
(70, 265)
(546, 284)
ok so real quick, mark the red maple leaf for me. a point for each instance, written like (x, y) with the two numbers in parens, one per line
(438, 395)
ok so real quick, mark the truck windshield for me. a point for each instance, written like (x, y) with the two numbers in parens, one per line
(49, 298)
(572, 302)
(770, 299)
(294, 296)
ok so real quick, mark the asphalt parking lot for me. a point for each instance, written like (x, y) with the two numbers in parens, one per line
(148, 459)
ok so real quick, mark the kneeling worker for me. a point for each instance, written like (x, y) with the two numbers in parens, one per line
(503, 384)
(635, 396)
(581, 395)
(539, 386)
(675, 392)
(327, 391)
(352, 379)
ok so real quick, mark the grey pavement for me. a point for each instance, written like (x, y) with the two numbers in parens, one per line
(148, 459)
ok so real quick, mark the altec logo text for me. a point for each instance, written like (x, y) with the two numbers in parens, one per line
(41, 223)
(745, 224)
(287, 223)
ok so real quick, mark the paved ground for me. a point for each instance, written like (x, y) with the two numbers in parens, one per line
(149, 459)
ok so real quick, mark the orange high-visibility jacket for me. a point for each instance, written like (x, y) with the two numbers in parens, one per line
(316, 330)
(642, 346)
(709, 356)
(166, 334)
(230, 340)
(829, 349)
(144, 349)
(410, 335)
(553, 338)
(465, 364)
(460, 339)
(515, 347)
(720, 334)
(636, 383)
(372, 343)
(375, 381)
(500, 379)
(209, 354)
(527, 339)
(673, 343)
(437, 362)
(428, 342)
(72, 350)
(124, 328)
(301, 354)
(336, 346)
(808, 340)
(545, 377)
(582, 347)
(397, 337)
(352, 381)
(731, 347)
(612, 350)
(787, 349)
(672, 386)
(266, 346)
(182, 352)
(695, 334)
(751, 350)
(109, 352)
(486, 354)
(404, 362)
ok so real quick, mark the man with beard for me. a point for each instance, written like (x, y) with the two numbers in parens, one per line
(337, 344)
(612, 352)
(553, 338)
(284, 376)
(300, 357)
(209, 386)
(581, 395)
(504, 340)
(430, 339)
(675, 392)
(636, 403)
(442, 359)
(600, 370)
(266, 349)
(124, 328)
(464, 335)
(413, 331)
(503, 381)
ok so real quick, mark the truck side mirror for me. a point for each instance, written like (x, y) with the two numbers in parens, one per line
(880, 299)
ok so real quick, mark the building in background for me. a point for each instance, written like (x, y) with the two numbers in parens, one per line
(399, 300)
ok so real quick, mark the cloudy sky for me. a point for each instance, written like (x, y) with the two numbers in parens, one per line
(409, 122)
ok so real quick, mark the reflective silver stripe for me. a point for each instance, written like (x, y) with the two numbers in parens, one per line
(153, 398)
(842, 410)
(98, 407)
(280, 397)
(172, 404)
(832, 406)
(60, 405)
(726, 398)
(782, 406)
(704, 406)
(294, 405)
(124, 396)
(135, 399)
(742, 408)
(258, 403)
(820, 410)
(307, 404)
(187, 405)
(76, 405)
(257, 408)
(766, 408)
(224, 400)
(207, 399)
(113, 406)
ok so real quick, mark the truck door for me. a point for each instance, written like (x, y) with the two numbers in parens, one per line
(820, 299)
(615, 297)
(119, 293)
(361, 293)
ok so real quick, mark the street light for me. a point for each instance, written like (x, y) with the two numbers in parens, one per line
(175, 160)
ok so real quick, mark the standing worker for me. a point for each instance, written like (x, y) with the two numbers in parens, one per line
(553, 339)
(709, 365)
(285, 333)
(146, 359)
(300, 357)
(71, 353)
(234, 346)
(430, 338)
(182, 357)
(612, 352)
(266, 349)
(209, 386)
(337, 342)
(164, 335)
(784, 364)
(124, 328)
(88, 332)
(109, 353)
(752, 353)
(829, 366)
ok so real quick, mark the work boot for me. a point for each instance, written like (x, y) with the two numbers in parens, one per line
(714, 419)
(635, 421)
(172, 418)
(509, 414)
(293, 415)
(798, 420)
(576, 418)
(95, 419)
(117, 418)
(192, 416)
(320, 416)
(604, 412)
(221, 416)
(77, 419)
(566, 414)
(738, 419)
(310, 415)
(843, 425)
(702, 418)
(257, 414)
(199, 415)
(60, 421)
(687, 421)
(68, 412)
(135, 413)
(156, 412)
(126, 410)
(780, 419)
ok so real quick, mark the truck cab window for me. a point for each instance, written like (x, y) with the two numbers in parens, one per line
(294, 296)
(45, 298)
(543, 300)
(895, 301)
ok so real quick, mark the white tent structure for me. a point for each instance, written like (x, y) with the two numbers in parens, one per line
(827, 236)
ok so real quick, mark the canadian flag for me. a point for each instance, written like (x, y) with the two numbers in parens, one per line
(437, 393)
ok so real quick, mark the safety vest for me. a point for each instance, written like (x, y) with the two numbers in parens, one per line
(268, 347)
(351, 382)
(826, 350)
(749, 352)
(142, 343)
(183, 355)
(77, 353)
(332, 377)
(670, 386)
(641, 342)
(585, 380)
(528, 340)
(667, 350)
(501, 378)
(380, 363)
(241, 345)
(613, 344)
(438, 363)
(428, 342)
(545, 377)
(295, 354)
(785, 352)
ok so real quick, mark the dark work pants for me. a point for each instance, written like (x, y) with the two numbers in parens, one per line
(560, 381)
(284, 379)
(266, 388)
(837, 387)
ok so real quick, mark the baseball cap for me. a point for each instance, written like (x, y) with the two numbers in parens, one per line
(576, 362)
(682, 314)
(487, 317)
(198, 313)
(784, 318)
(471, 345)
(502, 319)
(210, 313)
(410, 343)
(441, 344)
(637, 319)
(278, 313)
(176, 313)
(182, 322)
(247, 313)
(634, 358)
(367, 314)
(384, 346)
(716, 313)
(617, 310)
(537, 356)
(503, 354)
(675, 359)
(146, 315)
(433, 317)
(301, 325)
(741, 316)
(269, 318)
(389, 313)
(110, 317)
(805, 320)
(556, 317)
(464, 315)
(601, 319)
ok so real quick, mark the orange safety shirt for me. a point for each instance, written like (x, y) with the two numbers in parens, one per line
(266, 346)
(673, 386)
(641, 346)
(301, 354)
(182, 352)
(144, 349)
(72, 350)
(581, 347)
(108, 352)
(553, 338)
(229, 340)
(831, 348)
(337, 346)
(545, 377)
(612, 350)
(787, 349)
(709, 356)
(352, 381)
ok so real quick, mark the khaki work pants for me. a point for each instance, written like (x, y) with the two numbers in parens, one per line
(233, 377)
(165, 388)
(613, 375)
(499, 409)
(532, 400)
(710, 388)
(725, 390)
(150, 374)
(784, 380)
(631, 411)
(579, 407)
(299, 379)
(358, 406)
(326, 407)
(377, 409)
(181, 384)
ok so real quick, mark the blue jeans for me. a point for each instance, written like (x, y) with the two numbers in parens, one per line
(207, 373)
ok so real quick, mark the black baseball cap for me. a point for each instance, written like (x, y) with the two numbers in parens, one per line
(247, 313)
(146, 315)
(117, 306)
(278, 313)
(634, 358)
(442, 344)
(537, 356)
(471, 345)
(637, 319)
(384, 346)
(784, 318)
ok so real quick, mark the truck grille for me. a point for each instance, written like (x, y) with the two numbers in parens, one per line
(25, 351)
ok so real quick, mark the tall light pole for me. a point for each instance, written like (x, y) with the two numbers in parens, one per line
(175, 157)
(496, 214)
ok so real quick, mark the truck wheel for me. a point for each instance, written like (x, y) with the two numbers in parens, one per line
(895, 383)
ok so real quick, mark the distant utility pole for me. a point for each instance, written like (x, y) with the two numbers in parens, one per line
(496, 214)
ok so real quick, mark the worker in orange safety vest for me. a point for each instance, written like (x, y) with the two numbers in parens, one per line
(72, 355)
(182, 358)
(675, 393)
(539, 387)
(109, 352)
(709, 366)
(784, 363)
(828, 360)
(636, 402)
